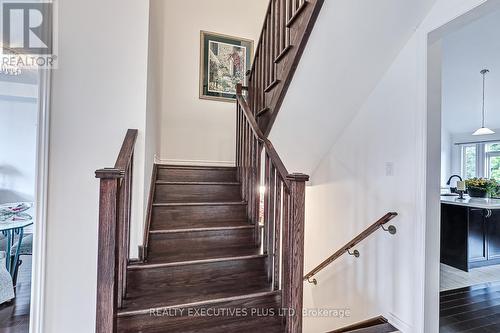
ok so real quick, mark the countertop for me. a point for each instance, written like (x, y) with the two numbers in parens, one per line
(472, 202)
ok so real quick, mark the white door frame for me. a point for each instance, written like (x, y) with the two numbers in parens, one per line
(39, 235)
(446, 20)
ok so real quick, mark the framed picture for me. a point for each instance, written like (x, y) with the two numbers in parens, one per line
(224, 61)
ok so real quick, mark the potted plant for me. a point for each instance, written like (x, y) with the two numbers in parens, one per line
(481, 187)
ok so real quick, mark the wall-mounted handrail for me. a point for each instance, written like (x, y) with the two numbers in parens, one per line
(350, 245)
(115, 198)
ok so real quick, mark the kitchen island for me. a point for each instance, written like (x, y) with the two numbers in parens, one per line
(470, 232)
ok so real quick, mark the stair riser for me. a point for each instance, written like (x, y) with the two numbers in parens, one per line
(165, 193)
(197, 241)
(163, 216)
(206, 275)
(197, 175)
(157, 323)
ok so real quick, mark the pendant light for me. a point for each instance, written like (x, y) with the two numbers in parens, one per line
(483, 130)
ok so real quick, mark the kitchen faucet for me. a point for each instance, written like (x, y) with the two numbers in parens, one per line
(453, 189)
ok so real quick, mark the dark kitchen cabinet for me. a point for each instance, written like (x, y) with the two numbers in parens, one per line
(493, 224)
(470, 237)
(478, 250)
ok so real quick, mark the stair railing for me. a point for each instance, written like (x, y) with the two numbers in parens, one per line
(285, 32)
(280, 212)
(349, 246)
(115, 197)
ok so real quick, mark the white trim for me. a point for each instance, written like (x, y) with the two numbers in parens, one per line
(398, 323)
(39, 236)
(194, 162)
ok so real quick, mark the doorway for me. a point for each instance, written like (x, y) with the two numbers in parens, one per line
(459, 55)
(24, 104)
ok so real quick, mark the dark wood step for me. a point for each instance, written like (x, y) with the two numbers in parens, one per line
(188, 224)
(189, 319)
(182, 284)
(170, 215)
(367, 324)
(197, 192)
(147, 279)
(196, 174)
(381, 328)
(200, 244)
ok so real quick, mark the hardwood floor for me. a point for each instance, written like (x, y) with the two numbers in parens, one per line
(474, 309)
(14, 317)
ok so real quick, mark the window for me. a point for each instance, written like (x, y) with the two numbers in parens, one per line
(469, 161)
(481, 160)
(493, 160)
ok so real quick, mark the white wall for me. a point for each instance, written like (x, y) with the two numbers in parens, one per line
(397, 277)
(465, 53)
(18, 122)
(98, 92)
(154, 91)
(193, 129)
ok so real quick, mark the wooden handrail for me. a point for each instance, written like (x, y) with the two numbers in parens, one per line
(280, 213)
(284, 35)
(115, 198)
(370, 230)
(273, 155)
(127, 150)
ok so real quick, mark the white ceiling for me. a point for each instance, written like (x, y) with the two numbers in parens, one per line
(352, 45)
(465, 53)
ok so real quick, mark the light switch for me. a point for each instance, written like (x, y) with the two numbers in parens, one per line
(389, 169)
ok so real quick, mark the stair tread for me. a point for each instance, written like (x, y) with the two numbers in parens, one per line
(186, 323)
(190, 224)
(381, 328)
(201, 203)
(188, 295)
(207, 183)
(215, 253)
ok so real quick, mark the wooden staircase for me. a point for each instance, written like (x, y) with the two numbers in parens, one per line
(202, 255)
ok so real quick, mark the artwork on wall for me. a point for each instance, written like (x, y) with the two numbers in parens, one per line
(224, 62)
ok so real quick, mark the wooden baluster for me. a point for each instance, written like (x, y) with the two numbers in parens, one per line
(257, 184)
(289, 14)
(251, 190)
(107, 295)
(285, 261)
(277, 233)
(238, 119)
(267, 175)
(271, 43)
(120, 239)
(127, 213)
(262, 97)
(244, 162)
(294, 253)
(270, 222)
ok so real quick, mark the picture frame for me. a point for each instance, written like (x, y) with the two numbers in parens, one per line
(224, 61)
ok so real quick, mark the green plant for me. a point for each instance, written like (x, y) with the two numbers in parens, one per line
(485, 184)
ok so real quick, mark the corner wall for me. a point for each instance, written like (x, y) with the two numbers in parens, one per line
(195, 130)
(98, 92)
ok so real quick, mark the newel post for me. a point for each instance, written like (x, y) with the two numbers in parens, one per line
(295, 256)
(106, 258)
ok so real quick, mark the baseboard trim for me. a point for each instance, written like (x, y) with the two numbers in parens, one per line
(398, 323)
(194, 162)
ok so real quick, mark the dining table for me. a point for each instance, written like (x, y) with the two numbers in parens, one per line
(14, 218)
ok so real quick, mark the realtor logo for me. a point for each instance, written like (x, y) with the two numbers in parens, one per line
(27, 28)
